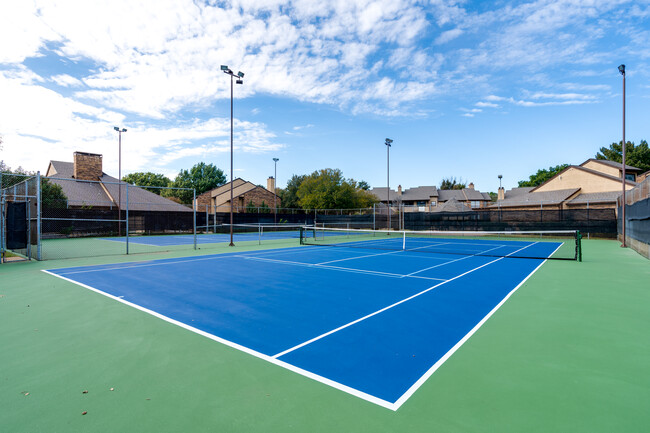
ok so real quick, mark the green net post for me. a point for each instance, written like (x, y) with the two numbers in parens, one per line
(579, 245)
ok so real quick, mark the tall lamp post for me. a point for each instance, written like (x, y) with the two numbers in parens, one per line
(240, 76)
(621, 69)
(388, 143)
(119, 180)
(275, 188)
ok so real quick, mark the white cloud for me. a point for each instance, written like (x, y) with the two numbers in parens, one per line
(448, 36)
(66, 80)
(486, 104)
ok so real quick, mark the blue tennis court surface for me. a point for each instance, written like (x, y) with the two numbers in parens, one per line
(371, 323)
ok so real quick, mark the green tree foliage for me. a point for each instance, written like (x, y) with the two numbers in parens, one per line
(542, 175)
(328, 189)
(451, 183)
(362, 184)
(202, 177)
(636, 156)
(52, 195)
(289, 195)
(148, 179)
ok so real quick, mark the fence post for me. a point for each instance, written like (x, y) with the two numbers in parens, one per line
(373, 216)
(127, 217)
(38, 216)
(194, 211)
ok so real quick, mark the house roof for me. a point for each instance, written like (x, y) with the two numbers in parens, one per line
(419, 193)
(517, 192)
(596, 197)
(452, 205)
(586, 170)
(380, 193)
(106, 192)
(615, 164)
(537, 198)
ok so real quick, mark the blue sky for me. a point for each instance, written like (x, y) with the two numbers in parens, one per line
(465, 89)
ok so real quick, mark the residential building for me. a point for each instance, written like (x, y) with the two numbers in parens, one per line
(86, 186)
(245, 194)
(431, 199)
(593, 184)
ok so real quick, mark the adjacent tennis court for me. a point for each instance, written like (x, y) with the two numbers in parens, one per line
(242, 233)
(375, 324)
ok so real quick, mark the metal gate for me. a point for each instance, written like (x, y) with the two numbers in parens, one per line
(19, 217)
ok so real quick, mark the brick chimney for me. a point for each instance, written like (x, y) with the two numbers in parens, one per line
(87, 166)
(399, 190)
(501, 194)
(270, 184)
(470, 186)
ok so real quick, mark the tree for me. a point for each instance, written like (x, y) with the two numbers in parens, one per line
(450, 183)
(202, 177)
(289, 195)
(52, 195)
(542, 175)
(636, 156)
(362, 184)
(328, 189)
(148, 179)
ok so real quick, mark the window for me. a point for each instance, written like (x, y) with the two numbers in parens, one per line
(631, 177)
(475, 204)
(421, 203)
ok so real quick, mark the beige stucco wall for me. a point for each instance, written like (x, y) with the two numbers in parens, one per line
(603, 168)
(587, 182)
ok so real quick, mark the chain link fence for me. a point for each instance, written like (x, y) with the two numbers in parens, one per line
(637, 218)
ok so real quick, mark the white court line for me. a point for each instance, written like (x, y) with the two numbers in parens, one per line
(162, 262)
(400, 401)
(452, 261)
(339, 268)
(359, 257)
(309, 374)
(389, 307)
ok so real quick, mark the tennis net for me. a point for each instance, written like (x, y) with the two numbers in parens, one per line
(562, 245)
(261, 230)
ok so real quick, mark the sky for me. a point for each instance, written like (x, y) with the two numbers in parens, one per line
(464, 89)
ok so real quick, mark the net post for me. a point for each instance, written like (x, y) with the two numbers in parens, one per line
(194, 211)
(302, 233)
(404, 241)
(579, 245)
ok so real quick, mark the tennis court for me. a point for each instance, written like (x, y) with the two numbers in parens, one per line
(241, 233)
(374, 324)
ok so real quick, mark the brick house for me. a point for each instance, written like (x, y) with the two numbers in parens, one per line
(245, 194)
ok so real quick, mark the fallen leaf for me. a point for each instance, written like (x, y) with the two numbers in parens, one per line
(85, 391)
(84, 412)
(111, 389)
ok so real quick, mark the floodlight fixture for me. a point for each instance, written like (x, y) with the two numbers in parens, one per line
(224, 68)
(240, 74)
(239, 81)
(621, 69)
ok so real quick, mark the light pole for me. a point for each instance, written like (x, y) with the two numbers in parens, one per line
(275, 188)
(621, 69)
(240, 76)
(500, 177)
(119, 180)
(388, 143)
